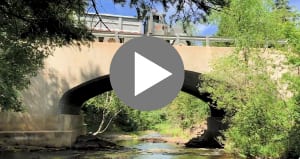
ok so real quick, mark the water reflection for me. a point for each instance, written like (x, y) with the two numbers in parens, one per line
(141, 150)
(146, 150)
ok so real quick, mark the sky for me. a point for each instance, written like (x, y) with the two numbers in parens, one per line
(108, 7)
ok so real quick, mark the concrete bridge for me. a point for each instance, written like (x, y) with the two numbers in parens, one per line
(74, 74)
(72, 67)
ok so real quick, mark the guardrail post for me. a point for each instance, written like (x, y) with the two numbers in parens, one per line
(117, 35)
(120, 25)
(177, 39)
(207, 41)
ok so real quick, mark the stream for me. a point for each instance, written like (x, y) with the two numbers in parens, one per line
(139, 150)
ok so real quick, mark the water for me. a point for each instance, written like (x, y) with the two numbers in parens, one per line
(146, 150)
(140, 150)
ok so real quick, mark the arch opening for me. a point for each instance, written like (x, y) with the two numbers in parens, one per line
(72, 100)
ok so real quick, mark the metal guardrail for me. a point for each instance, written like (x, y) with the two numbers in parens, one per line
(166, 37)
(206, 39)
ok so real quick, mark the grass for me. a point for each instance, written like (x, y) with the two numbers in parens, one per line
(171, 130)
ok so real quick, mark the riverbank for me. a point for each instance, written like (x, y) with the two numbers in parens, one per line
(138, 150)
(163, 134)
(82, 143)
(147, 144)
(103, 142)
(145, 136)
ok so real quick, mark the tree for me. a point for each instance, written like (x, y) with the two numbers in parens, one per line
(294, 136)
(259, 114)
(259, 118)
(105, 111)
(186, 10)
(186, 111)
(109, 106)
(282, 4)
(29, 31)
(292, 32)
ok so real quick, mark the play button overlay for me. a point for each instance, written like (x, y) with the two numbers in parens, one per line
(146, 73)
(146, 79)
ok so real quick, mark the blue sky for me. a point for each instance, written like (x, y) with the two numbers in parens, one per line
(107, 6)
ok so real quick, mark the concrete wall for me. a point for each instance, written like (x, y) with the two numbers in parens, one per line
(18, 128)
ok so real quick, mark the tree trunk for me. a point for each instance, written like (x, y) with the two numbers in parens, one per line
(100, 129)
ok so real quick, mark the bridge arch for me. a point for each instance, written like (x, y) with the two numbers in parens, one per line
(73, 99)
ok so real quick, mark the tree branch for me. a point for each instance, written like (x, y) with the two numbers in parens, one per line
(110, 121)
(97, 13)
(101, 124)
(14, 15)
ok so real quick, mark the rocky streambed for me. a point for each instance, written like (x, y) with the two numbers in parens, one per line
(149, 145)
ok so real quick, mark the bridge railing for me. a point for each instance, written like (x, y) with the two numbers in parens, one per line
(206, 39)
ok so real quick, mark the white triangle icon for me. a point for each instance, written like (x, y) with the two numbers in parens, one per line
(147, 74)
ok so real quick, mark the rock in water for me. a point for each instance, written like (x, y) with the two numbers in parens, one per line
(91, 142)
(207, 140)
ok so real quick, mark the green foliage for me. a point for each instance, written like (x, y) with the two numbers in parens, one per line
(292, 51)
(29, 30)
(261, 118)
(184, 112)
(188, 28)
(282, 4)
(191, 11)
(127, 120)
(252, 23)
(99, 108)
(42, 21)
(294, 136)
(170, 129)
